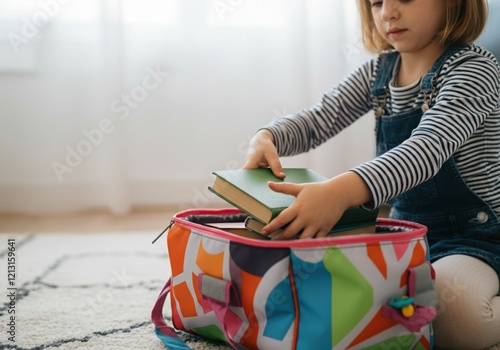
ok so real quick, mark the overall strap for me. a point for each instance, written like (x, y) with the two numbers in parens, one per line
(385, 70)
(384, 73)
(428, 83)
(380, 90)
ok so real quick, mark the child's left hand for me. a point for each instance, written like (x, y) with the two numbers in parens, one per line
(317, 206)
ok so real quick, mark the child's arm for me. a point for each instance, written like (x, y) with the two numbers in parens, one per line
(297, 133)
(338, 108)
(318, 206)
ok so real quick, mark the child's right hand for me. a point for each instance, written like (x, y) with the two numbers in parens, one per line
(263, 153)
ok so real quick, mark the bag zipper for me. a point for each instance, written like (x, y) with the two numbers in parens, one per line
(162, 232)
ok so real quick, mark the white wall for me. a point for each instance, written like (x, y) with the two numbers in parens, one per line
(215, 84)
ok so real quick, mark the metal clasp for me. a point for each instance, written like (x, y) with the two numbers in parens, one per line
(427, 102)
(381, 106)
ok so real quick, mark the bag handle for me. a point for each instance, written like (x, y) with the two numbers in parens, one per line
(163, 331)
(221, 294)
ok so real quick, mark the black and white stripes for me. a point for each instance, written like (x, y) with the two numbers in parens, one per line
(464, 122)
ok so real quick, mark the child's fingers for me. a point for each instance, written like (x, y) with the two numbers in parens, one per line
(309, 232)
(294, 228)
(285, 187)
(285, 217)
(275, 165)
(250, 164)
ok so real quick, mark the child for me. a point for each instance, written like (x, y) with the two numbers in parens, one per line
(436, 100)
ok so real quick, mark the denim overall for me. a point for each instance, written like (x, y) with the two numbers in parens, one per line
(458, 221)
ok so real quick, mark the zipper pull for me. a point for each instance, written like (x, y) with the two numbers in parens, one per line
(162, 232)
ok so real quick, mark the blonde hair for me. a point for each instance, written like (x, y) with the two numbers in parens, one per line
(465, 20)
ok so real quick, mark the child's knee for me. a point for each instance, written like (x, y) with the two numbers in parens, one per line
(468, 311)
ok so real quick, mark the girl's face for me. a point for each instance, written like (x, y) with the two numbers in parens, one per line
(410, 26)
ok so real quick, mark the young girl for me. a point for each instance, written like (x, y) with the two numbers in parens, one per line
(435, 96)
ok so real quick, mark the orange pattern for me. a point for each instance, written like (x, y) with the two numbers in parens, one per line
(175, 316)
(204, 304)
(377, 257)
(425, 342)
(177, 237)
(249, 284)
(210, 264)
(186, 301)
(297, 308)
(378, 324)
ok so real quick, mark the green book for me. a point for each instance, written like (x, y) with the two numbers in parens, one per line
(361, 227)
(247, 189)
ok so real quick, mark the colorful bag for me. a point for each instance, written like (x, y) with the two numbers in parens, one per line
(372, 291)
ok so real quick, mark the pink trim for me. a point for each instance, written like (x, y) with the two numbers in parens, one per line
(411, 282)
(418, 231)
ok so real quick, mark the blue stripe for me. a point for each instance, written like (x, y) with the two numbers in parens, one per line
(313, 284)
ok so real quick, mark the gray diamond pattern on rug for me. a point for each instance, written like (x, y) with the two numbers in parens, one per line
(86, 291)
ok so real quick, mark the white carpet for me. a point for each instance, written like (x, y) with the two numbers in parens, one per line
(85, 291)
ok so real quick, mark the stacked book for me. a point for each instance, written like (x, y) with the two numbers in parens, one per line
(248, 190)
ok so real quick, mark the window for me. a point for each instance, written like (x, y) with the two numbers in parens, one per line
(150, 12)
(249, 13)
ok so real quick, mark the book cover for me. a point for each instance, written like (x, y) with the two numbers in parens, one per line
(247, 189)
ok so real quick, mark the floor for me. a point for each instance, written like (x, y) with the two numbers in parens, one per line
(140, 219)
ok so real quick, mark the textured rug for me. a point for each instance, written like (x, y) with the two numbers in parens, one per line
(82, 291)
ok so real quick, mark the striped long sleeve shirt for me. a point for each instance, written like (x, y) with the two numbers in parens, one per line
(463, 122)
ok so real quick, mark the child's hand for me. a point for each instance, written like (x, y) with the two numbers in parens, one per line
(262, 153)
(317, 206)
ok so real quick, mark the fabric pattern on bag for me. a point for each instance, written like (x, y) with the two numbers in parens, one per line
(332, 296)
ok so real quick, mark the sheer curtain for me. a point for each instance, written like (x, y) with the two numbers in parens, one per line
(114, 104)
